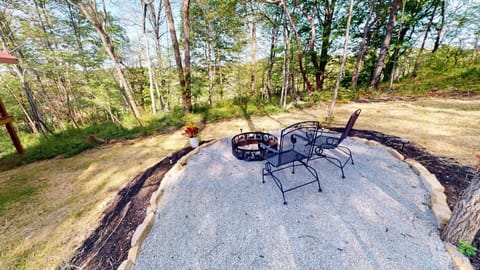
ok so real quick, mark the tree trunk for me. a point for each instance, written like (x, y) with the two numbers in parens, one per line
(465, 220)
(422, 47)
(363, 45)
(286, 64)
(156, 22)
(299, 48)
(327, 31)
(386, 43)
(209, 52)
(311, 45)
(78, 41)
(273, 39)
(187, 94)
(28, 119)
(147, 53)
(220, 75)
(440, 28)
(99, 22)
(5, 32)
(342, 65)
(392, 65)
(36, 115)
(253, 52)
(178, 57)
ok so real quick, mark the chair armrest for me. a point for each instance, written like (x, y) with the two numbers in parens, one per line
(327, 138)
(266, 147)
(330, 133)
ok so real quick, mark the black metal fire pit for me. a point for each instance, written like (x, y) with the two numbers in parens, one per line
(252, 146)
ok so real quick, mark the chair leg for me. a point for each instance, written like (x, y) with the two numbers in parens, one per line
(343, 174)
(277, 181)
(268, 170)
(314, 173)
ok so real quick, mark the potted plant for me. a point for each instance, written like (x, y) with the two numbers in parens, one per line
(192, 132)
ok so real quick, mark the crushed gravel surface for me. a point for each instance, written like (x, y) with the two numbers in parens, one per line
(217, 214)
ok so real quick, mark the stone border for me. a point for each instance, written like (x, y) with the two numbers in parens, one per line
(438, 201)
(438, 204)
(144, 228)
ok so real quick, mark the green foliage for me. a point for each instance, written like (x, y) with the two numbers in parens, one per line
(466, 248)
(448, 72)
(73, 141)
(238, 107)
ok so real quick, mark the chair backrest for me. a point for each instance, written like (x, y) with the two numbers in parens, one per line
(349, 126)
(298, 137)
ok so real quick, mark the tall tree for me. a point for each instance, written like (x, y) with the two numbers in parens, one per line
(311, 43)
(327, 23)
(439, 27)
(275, 25)
(392, 64)
(147, 53)
(99, 21)
(218, 36)
(386, 42)
(287, 36)
(156, 21)
(252, 22)
(342, 65)
(186, 94)
(364, 43)
(424, 40)
(299, 47)
(6, 37)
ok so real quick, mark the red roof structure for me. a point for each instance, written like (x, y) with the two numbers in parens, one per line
(7, 58)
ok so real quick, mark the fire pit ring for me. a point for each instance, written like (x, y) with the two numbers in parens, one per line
(253, 146)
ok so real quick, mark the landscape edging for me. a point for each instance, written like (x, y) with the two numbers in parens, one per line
(438, 202)
(144, 228)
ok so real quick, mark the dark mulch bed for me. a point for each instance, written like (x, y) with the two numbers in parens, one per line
(108, 245)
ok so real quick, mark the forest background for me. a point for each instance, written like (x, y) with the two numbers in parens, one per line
(95, 71)
(129, 68)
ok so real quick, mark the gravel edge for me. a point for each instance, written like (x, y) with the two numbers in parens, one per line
(438, 204)
(144, 228)
(438, 201)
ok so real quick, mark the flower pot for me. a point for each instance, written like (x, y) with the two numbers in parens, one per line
(194, 142)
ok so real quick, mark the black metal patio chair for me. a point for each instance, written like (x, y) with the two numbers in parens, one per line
(327, 145)
(295, 148)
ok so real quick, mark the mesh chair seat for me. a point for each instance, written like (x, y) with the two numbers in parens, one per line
(295, 148)
(286, 158)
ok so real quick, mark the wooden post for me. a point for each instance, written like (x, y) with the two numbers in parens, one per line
(7, 120)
